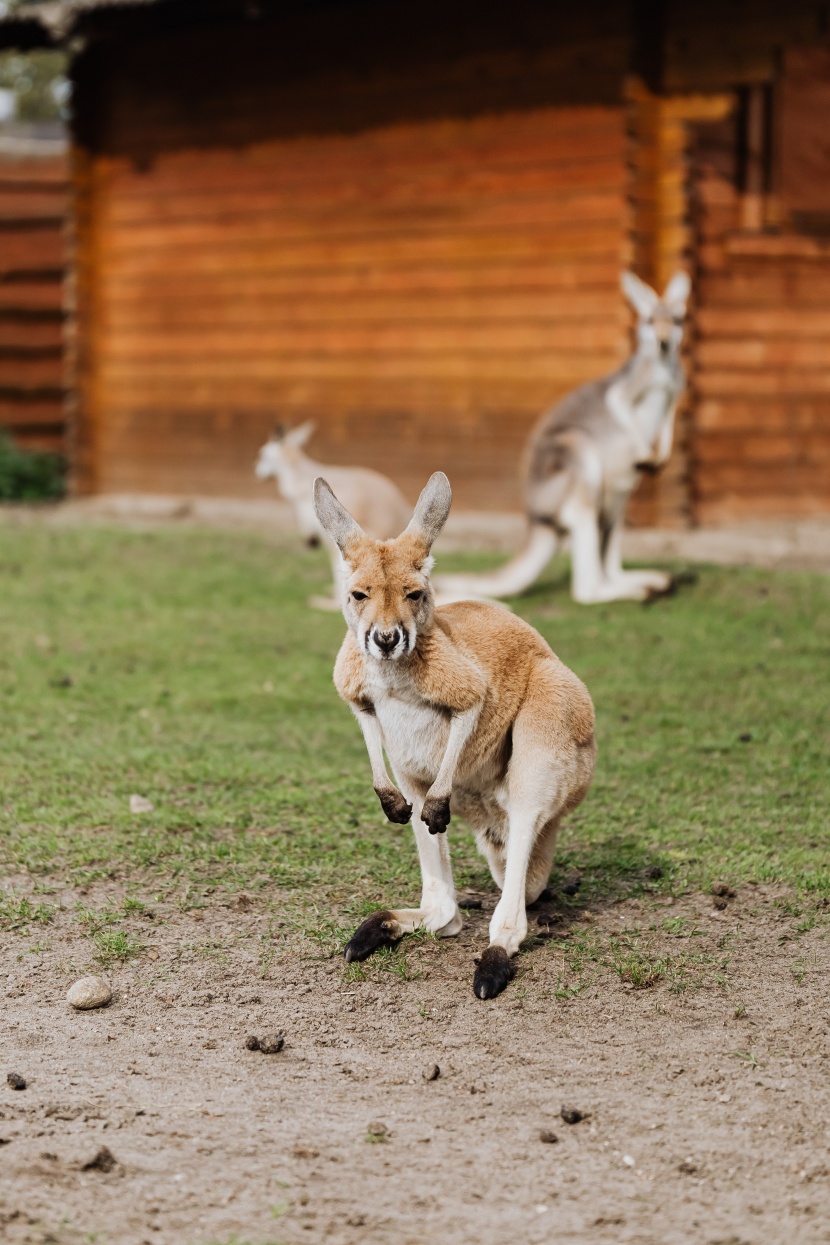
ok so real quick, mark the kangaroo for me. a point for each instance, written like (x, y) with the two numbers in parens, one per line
(476, 714)
(585, 457)
(378, 504)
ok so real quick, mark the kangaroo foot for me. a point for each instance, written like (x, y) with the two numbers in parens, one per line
(436, 814)
(495, 969)
(378, 930)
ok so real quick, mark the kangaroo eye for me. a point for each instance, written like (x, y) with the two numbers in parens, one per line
(359, 596)
(414, 596)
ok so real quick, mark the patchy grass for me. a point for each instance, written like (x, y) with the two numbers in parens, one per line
(18, 913)
(185, 666)
(115, 946)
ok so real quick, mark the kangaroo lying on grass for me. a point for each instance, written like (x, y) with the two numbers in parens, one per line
(584, 460)
(474, 711)
(378, 504)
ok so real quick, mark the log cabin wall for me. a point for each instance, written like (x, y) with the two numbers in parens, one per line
(420, 261)
(762, 378)
(33, 206)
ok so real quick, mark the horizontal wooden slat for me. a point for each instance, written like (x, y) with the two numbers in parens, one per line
(19, 413)
(25, 373)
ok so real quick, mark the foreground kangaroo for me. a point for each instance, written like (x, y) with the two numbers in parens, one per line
(378, 504)
(584, 460)
(474, 712)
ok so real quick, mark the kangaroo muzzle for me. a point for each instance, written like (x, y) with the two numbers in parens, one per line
(387, 643)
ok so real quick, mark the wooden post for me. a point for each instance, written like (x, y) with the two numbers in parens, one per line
(662, 244)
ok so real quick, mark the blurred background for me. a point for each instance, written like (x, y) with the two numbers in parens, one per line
(407, 222)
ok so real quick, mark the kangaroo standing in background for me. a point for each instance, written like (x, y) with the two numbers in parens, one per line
(378, 504)
(584, 460)
(475, 712)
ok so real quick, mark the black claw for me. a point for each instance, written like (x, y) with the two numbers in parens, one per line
(378, 930)
(495, 970)
(436, 814)
(394, 805)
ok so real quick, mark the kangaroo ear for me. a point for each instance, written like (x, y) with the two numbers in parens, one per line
(641, 296)
(677, 292)
(334, 518)
(431, 510)
(298, 436)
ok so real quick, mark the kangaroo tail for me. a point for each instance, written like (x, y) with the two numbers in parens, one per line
(509, 580)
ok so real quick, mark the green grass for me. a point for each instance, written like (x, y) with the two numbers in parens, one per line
(184, 666)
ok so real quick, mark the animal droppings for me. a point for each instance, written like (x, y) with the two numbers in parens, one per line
(432, 1073)
(745, 738)
(272, 1043)
(655, 872)
(548, 1136)
(89, 992)
(103, 1160)
(252, 1043)
(469, 904)
(571, 1115)
(572, 884)
(15, 1081)
(377, 1130)
(723, 889)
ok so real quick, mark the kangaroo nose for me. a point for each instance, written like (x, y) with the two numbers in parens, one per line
(664, 346)
(387, 640)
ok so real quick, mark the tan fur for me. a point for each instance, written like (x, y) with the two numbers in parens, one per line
(476, 715)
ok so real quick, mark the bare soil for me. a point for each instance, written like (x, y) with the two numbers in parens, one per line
(702, 1122)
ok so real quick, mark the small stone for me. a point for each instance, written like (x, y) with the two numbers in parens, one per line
(140, 804)
(571, 1115)
(272, 1043)
(548, 1137)
(629, 1160)
(469, 904)
(688, 1167)
(377, 1129)
(102, 1161)
(252, 1043)
(432, 1073)
(15, 1081)
(89, 992)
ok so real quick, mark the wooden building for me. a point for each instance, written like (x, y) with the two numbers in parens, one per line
(407, 222)
(33, 214)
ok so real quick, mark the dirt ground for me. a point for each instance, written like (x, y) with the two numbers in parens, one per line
(707, 1111)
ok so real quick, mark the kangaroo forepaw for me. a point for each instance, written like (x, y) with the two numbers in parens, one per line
(495, 970)
(394, 805)
(378, 930)
(436, 814)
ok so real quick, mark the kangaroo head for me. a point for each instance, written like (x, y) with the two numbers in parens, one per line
(660, 327)
(282, 451)
(387, 596)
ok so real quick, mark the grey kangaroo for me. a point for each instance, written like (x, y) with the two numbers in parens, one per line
(585, 457)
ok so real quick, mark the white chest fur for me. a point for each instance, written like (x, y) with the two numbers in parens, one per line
(414, 732)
